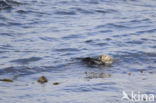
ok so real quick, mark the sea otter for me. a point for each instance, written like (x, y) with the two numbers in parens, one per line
(101, 60)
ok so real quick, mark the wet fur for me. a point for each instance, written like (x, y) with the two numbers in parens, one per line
(92, 61)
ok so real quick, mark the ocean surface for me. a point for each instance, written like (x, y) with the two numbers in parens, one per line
(49, 38)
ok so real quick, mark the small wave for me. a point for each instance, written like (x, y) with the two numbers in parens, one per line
(65, 12)
(26, 60)
(13, 2)
(22, 70)
(105, 31)
(101, 44)
(134, 42)
(22, 11)
(6, 4)
(72, 37)
(116, 25)
(111, 25)
(105, 11)
(5, 48)
(26, 11)
(138, 21)
(82, 10)
(147, 31)
(48, 39)
(16, 70)
(136, 56)
(108, 86)
(91, 1)
(96, 42)
(67, 49)
(6, 34)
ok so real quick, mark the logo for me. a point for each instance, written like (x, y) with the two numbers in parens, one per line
(136, 97)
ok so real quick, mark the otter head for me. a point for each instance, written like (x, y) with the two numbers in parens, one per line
(108, 60)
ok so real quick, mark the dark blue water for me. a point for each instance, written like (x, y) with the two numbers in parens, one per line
(47, 37)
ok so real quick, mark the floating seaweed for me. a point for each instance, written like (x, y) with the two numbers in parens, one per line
(6, 80)
(42, 79)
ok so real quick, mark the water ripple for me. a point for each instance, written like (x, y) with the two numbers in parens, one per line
(105, 11)
(108, 86)
(82, 10)
(26, 60)
(147, 31)
(65, 12)
(67, 50)
(4, 5)
(7, 4)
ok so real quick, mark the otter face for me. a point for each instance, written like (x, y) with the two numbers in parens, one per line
(106, 59)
